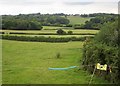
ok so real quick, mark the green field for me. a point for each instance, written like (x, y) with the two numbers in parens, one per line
(51, 31)
(28, 63)
(55, 28)
(53, 36)
(77, 19)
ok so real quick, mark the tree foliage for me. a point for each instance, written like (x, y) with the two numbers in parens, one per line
(108, 34)
(61, 32)
(104, 50)
(32, 21)
(20, 24)
(98, 21)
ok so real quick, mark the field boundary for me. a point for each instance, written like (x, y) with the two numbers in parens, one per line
(44, 39)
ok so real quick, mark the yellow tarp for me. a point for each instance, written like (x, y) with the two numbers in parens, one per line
(101, 67)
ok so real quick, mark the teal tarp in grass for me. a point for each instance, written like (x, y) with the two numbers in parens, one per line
(62, 68)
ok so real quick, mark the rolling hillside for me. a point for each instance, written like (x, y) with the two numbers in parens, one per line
(78, 19)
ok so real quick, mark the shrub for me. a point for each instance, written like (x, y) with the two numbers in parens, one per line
(70, 32)
(108, 34)
(61, 32)
(104, 50)
(103, 54)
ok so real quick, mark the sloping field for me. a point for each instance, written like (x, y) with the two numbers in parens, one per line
(28, 63)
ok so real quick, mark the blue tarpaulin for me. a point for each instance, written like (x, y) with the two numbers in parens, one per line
(67, 68)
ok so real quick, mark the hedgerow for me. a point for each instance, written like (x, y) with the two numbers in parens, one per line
(48, 33)
(104, 50)
(43, 39)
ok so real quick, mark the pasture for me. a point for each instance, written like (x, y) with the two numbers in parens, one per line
(49, 31)
(77, 19)
(28, 63)
(55, 27)
(53, 36)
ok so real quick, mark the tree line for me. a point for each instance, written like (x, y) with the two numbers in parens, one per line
(32, 21)
(37, 20)
(97, 21)
(20, 24)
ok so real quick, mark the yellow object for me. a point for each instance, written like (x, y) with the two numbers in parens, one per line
(110, 71)
(101, 67)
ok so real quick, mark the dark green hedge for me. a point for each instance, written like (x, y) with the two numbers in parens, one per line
(43, 39)
(48, 33)
(104, 50)
(103, 54)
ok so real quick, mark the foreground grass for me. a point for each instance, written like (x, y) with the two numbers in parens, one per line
(28, 63)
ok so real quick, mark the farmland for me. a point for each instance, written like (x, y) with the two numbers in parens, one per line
(33, 43)
(34, 59)
(28, 62)
(51, 32)
(78, 19)
(32, 63)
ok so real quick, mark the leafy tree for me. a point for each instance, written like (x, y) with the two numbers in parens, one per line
(99, 20)
(33, 21)
(108, 34)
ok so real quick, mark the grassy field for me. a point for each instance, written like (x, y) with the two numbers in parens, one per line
(53, 36)
(28, 62)
(55, 28)
(51, 31)
(77, 19)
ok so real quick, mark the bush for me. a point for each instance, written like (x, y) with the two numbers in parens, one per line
(104, 50)
(103, 54)
(61, 32)
(70, 32)
(108, 34)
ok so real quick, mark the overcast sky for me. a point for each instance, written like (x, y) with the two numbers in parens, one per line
(58, 6)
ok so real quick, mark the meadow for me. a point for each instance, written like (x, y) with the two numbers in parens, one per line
(78, 19)
(28, 62)
(49, 31)
(53, 36)
(29, 50)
